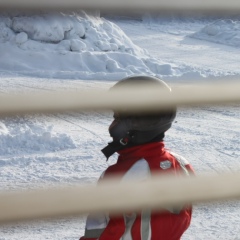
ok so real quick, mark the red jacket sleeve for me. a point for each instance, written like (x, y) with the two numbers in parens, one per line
(114, 230)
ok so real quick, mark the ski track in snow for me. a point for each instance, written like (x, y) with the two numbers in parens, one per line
(207, 136)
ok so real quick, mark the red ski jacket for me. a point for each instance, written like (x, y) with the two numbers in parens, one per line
(139, 163)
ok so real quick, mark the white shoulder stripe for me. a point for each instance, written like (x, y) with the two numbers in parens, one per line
(182, 161)
(139, 171)
(180, 158)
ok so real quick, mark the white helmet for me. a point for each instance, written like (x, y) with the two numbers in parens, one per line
(135, 129)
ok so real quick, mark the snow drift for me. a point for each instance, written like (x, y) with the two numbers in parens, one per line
(223, 31)
(22, 136)
(76, 45)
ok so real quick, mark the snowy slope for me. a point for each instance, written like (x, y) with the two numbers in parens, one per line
(85, 46)
(190, 58)
(41, 151)
(223, 31)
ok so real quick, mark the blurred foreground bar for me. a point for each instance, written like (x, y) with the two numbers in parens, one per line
(132, 99)
(114, 197)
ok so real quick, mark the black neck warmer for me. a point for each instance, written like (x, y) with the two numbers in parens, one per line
(116, 146)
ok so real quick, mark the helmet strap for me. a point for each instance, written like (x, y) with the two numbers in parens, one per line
(111, 148)
(126, 142)
(115, 146)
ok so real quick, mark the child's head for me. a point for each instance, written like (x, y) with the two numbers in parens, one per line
(135, 129)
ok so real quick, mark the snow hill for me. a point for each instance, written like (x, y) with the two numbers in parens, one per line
(76, 45)
(82, 45)
(223, 31)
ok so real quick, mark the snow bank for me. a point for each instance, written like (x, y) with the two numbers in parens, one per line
(25, 137)
(76, 45)
(224, 31)
(85, 46)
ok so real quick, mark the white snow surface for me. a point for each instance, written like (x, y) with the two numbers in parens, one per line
(223, 31)
(62, 51)
(78, 41)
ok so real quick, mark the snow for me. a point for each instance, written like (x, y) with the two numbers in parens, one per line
(29, 137)
(70, 51)
(224, 31)
(78, 41)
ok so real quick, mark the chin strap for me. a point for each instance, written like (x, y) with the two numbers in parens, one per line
(126, 142)
(111, 148)
(116, 146)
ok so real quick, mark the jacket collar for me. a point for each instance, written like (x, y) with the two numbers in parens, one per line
(147, 149)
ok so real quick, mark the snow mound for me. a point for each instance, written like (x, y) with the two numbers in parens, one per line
(30, 138)
(225, 31)
(76, 45)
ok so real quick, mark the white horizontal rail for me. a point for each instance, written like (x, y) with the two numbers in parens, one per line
(152, 5)
(116, 197)
(130, 99)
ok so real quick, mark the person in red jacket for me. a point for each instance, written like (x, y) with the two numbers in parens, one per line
(138, 139)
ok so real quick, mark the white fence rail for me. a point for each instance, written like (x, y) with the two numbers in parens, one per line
(136, 99)
(115, 197)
